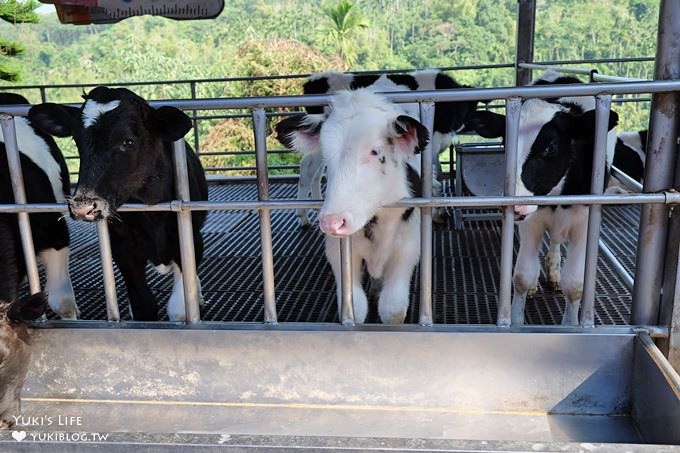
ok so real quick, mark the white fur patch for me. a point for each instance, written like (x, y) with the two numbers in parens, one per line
(92, 110)
(35, 148)
(426, 78)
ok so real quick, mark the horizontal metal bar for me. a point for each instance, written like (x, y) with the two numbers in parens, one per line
(480, 202)
(597, 77)
(654, 331)
(464, 94)
(626, 180)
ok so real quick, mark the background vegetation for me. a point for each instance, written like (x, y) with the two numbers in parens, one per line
(267, 37)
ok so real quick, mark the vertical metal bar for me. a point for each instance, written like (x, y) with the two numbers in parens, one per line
(259, 125)
(112, 312)
(603, 105)
(458, 211)
(18, 188)
(672, 344)
(526, 20)
(186, 235)
(347, 308)
(194, 115)
(512, 108)
(660, 163)
(43, 95)
(425, 316)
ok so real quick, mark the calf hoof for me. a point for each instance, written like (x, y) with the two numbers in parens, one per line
(65, 306)
(555, 285)
(6, 424)
(532, 291)
(304, 220)
(392, 317)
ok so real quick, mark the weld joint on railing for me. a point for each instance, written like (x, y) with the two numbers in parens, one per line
(177, 206)
(672, 196)
(653, 331)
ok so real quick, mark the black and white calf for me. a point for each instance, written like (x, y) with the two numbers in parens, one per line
(126, 155)
(370, 147)
(46, 180)
(555, 155)
(629, 156)
(449, 118)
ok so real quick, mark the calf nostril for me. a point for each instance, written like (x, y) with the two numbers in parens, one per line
(94, 206)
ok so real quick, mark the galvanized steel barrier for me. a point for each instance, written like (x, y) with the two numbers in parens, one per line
(513, 96)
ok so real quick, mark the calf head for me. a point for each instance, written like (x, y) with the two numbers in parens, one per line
(15, 351)
(366, 142)
(551, 137)
(123, 147)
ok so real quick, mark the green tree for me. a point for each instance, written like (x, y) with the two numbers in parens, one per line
(340, 33)
(14, 12)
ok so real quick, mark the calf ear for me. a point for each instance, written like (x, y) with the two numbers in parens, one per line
(410, 136)
(55, 119)
(583, 126)
(170, 123)
(486, 124)
(301, 132)
(28, 308)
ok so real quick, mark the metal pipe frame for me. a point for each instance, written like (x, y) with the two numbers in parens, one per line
(112, 309)
(526, 21)
(592, 73)
(346, 297)
(618, 267)
(425, 314)
(263, 204)
(259, 125)
(603, 105)
(626, 180)
(18, 189)
(186, 236)
(512, 115)
(660, 164)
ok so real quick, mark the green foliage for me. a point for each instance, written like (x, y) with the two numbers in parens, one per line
(14, 12)
(269, 37)
(340, 33)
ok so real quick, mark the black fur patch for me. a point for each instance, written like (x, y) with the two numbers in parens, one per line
(643, 140)
(450, 116)
(628, 161)
(368, 228)
(404, 80)
(415, 188)
(363, 80)
(285, 128)
(317, 86)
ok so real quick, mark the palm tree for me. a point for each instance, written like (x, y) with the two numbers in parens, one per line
(14, 12)
(340, 32)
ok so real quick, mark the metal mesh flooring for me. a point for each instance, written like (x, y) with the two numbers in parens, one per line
(466, 270)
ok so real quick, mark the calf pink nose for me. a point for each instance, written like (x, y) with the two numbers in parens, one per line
(334, 224)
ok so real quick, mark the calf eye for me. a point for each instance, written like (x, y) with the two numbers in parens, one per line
(128, 143)
(374, 152)
(550, 149)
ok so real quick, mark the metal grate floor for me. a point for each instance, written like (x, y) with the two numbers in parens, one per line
(466, 270)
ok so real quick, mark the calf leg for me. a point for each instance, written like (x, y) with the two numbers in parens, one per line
(572, 276)
(527, 267)
(61, 298)
(553, 264)
(310, 166)
(143, 305)
(394, 298)
(359, 299)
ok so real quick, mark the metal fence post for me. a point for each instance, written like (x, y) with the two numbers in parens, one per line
(259, 125)
(426, 157)
(660, 164)
(112, 311)
(513, 107)
(194, 119)
(186, 235)
(526, 19)
(603, 105)
(18, 188)
(347, 307)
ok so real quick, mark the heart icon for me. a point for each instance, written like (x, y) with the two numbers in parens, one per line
(19, 435)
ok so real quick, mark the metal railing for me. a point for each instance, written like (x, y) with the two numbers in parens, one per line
(513, 97)
(192, 88)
